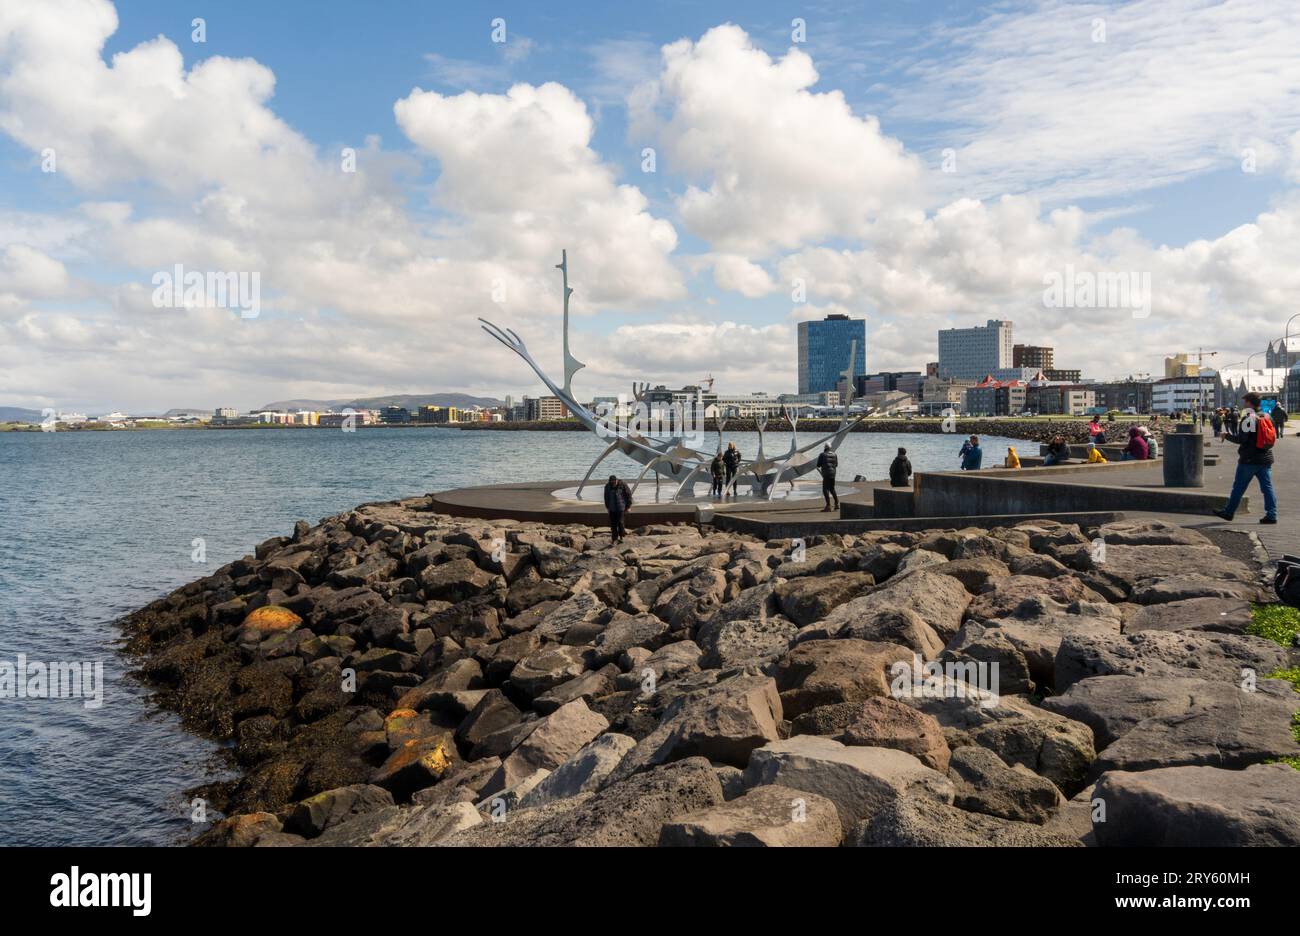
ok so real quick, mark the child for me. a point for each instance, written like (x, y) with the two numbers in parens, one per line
(1013, 460)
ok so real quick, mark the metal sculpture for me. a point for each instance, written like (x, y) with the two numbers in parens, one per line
(670, 457)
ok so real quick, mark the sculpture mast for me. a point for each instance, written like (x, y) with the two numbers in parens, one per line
(571, 364)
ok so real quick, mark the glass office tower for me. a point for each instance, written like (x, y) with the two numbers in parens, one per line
(824, 352)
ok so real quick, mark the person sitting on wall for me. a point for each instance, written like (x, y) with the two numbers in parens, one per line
(1137, 448)
(1058, 452)
(1012, 460)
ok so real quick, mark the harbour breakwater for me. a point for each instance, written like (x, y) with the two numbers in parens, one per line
(392, 676)
(1075, 431)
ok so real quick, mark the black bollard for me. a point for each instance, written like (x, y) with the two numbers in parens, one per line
(1184, 456)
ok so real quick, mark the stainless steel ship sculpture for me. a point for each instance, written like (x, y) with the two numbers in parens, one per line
(669, 456)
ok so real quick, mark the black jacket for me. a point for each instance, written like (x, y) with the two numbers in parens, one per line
(827, 463)
(731, 458)
(900, 471)
(618, 496)
(716, 466)
(1279, 416)
(1248, 453)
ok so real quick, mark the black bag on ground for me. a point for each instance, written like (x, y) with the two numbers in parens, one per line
(1286, 581)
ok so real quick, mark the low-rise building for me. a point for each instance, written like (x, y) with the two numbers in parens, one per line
(992, 397)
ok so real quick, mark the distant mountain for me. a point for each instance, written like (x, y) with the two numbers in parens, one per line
(18, 414)
(407, 400)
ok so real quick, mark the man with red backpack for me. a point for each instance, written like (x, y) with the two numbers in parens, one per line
(1254, 439)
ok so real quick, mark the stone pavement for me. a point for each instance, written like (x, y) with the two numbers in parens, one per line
(1283, 538)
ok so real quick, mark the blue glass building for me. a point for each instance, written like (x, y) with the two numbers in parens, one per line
(824, 352)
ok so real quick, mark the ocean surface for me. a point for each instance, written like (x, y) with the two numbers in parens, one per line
(96, 524)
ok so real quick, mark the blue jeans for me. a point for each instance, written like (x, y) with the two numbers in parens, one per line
(1242, 481)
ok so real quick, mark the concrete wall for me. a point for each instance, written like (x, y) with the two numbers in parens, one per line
(946, 494)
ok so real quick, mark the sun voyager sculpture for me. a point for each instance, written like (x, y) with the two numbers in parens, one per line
(667, 453)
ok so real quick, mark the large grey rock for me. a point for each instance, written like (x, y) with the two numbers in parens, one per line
(976, 643)
(823, 672)
(889, 723)
(1038, 626)
(1224, 615)
(692, 601)
(916, 822)
(1157, 653)
(669, 662)
(556, 738)
(739, 643)
(858, 780)
(1141, 724)
(938, 599)
(1151, 533)
(628, 813)
(546, 668)
(1015, 729)
(810, 598)
(626, 631)
(414, 826)
(584, 772)
(1026, 595)
(1203, 807)
(581, 608)
(766, 816)
(723, 722)
(987, 784)
(323, 811)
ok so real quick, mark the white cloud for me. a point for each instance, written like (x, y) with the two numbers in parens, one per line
(1033, 104)
(782, 165)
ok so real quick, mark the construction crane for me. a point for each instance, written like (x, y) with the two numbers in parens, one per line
(1201, 355)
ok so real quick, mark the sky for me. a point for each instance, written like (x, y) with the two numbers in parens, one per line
(386, 174)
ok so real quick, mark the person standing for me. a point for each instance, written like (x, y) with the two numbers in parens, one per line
(1254, 440)
(973, 455)
(1232, 421)
(900, 470)
(827, 464)
(1216, 422)
(731, 461)
(618, 501)
(716, 470)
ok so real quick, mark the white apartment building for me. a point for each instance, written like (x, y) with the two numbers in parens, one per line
(973, 353)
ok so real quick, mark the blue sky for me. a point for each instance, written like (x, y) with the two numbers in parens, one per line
(1107, 136)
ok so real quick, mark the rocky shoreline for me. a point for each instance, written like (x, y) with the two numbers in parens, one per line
(392, 676)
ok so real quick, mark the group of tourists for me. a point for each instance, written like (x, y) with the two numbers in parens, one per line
(1227, 420)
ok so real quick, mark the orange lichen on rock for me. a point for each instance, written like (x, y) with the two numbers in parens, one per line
(272, 618)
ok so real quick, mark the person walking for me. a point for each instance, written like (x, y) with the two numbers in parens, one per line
(618, 501)
(731, 461)
(1254, 440)
(1232, 420)
(827, 463)
(900, 470)
(973, 455)
(716, 470)
(1279, 417)
(1216, 423)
